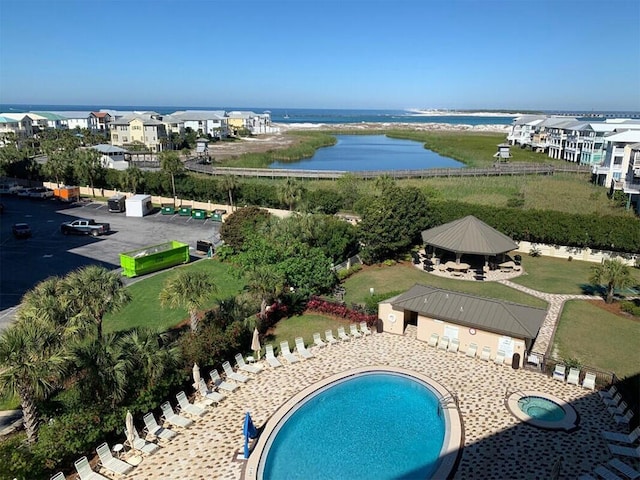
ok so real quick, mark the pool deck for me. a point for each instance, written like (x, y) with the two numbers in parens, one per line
(496, 444)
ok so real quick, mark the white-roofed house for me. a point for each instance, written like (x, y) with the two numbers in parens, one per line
(204, 122)
(522, 129)
(622, 160)
(18, 123)
(76, 119)
(256, 123)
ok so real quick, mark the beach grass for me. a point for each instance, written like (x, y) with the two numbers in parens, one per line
(402, 276)
(598, 338)
(144, 310)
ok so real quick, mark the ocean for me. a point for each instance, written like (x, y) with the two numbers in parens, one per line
(292, 115)
(331, 116)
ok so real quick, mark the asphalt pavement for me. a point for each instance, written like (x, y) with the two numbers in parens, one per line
(25, 262)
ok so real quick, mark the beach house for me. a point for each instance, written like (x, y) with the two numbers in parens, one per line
(141, 129)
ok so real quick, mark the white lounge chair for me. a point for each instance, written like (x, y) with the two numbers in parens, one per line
(317, 340)
(622, 437)
(58, 476)
(589, 381)
(173, 418)
(472, 351)
(433, 340)
(342, 335)
(255, 368)
(209, 397)
(286, 352)
(187, 407)
(152, 428)
(364, 328)
(353, 331)
(235, 376)
(617, 410)
(109, 462)
(499, 360)
(454, 345)
(603, 472)
(624, 419)
(608, 394)
(443, 343)
(612, 402)
(559, 372)
(218, 382)
(574, 376)
(485, 354)
(270, 356)
(625, 469)
(301, 349)
(141, 445)
(85, 472)
(633, 452)
(328, 334)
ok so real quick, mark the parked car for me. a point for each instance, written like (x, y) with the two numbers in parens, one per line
(40, 192)
(24, 192)
(21, 230)
(85, 226)
(9, 188)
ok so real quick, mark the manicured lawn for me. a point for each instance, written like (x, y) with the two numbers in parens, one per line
(402, 276)
(144, 309)
(302, 326)
(555, 275)
(598, 338)
(9, 403)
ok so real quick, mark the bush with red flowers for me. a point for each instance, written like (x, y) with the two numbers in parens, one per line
(334, 309)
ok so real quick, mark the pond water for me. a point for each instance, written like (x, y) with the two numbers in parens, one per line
(355, 153)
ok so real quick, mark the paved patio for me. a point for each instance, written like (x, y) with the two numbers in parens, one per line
(496, 446)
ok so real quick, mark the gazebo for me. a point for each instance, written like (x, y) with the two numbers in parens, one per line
(468, 235)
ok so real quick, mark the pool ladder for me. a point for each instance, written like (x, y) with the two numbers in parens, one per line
(448, 401)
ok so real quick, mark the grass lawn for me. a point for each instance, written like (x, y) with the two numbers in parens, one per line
(402, 276)
(556, 275)
(302, 326)
(144, 309)
(598, 338)
(9, 403)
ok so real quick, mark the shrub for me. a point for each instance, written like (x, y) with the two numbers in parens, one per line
(319, 305)
(371, 302)
(347, 272)
(632, 307)
(17, 460)
(535, 252)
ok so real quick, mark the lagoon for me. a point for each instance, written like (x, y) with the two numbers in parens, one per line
(356, 153)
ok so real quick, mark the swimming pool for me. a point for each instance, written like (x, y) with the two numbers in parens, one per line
(381, 420)
(542, 410)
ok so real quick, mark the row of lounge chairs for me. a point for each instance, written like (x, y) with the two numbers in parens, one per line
(453, 345)
(620, 444)
(616, 406)
(560, 373)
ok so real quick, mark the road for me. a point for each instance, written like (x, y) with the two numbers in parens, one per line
(24, 263)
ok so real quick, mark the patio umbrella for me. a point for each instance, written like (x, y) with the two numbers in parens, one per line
(255, 343)
(196, 376)
(130, 431)
(249, 430)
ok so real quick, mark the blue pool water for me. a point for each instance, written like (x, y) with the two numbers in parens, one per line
(381, 426)
(355, 153)
(541, 409)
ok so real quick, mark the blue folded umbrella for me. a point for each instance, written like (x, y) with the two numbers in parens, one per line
(250, 431)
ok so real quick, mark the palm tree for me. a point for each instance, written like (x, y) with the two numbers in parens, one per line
(57, 166)
(291, 192)
(189, 290)
(92, 292)
(32, 362)
(132, 178)
(266, 283)
(612, 272)
(150, 354)
(230, 184)
(170, 164)
(88, 166)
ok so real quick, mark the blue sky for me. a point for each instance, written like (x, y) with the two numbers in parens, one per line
(473, 54)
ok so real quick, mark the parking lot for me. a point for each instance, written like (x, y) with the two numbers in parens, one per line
(25, 262)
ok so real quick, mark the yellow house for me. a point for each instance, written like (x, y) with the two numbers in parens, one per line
(138, 129)
(476, 323)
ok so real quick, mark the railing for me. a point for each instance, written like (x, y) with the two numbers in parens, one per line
(497, 170)
(603, 377)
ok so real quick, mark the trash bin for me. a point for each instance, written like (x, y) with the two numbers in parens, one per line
(216, 216)
(379, 325)
(168, 209)
(515, 361)
(198, 214)
(184, 211)
(204, 246)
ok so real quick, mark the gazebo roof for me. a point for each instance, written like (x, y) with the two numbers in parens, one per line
(468, 235)
(489, 314)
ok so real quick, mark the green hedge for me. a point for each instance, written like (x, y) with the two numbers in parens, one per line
(618, 233)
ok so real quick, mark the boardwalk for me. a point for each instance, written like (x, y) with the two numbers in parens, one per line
(508, 169)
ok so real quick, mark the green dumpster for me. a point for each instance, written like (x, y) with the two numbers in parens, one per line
(185, 211)
(198, 214)
(168, 209)
(216, 216)
(154, 258)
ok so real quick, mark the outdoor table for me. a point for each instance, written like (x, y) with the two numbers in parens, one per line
(458, 267)
(507, 266)
(117, 449)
